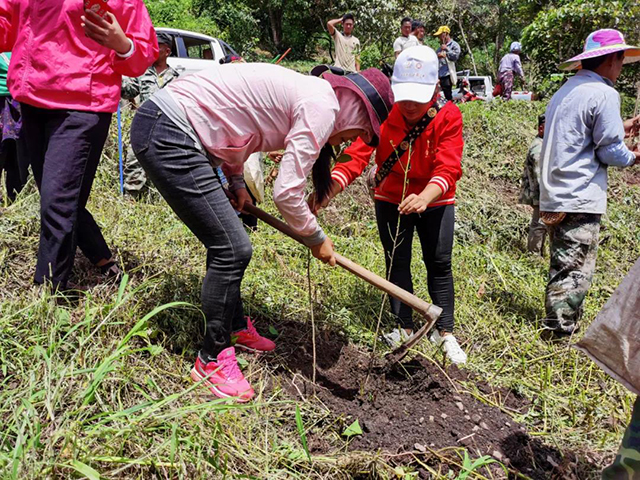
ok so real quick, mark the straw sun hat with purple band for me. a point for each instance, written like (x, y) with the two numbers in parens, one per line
(603, 42)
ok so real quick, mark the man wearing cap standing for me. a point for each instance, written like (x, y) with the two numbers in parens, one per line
(347, 46)
(156, 77)
(417, 167)
(510, 66)
(448, 53)
(584, 135)
(406, 39)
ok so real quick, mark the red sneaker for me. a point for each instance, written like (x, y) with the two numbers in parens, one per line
(249, 339)
(224, 378)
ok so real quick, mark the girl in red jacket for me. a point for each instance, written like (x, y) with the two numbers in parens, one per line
(66, 69)
(415, 191)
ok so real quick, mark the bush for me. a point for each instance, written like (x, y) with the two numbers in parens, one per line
(370, 57)
(180, 14)
(559, 33)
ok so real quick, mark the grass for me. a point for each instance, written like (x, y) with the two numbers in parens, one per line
(100, 389)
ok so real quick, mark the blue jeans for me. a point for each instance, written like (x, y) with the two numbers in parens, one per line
(191, 186)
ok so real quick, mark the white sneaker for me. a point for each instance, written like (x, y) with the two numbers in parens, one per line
(451, 347)
(395, 337)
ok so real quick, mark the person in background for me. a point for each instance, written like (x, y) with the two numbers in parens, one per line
(347, 46)
(418, 31)
(510, 66)
(207, 54)
(415, 192)
(584, 135)
(156, 77)
(220, 116)
(66, 72)
(448, 53)
(406, 39)
(13, 158)
(530, 191)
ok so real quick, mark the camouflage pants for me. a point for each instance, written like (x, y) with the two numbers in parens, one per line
(626, 465)
(135, 178)
(537, 233)
(573, 248)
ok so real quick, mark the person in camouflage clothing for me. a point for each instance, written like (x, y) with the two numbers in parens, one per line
(530, 191)
(156, 77)
(626, 465)
(584, 135)
(573, 248)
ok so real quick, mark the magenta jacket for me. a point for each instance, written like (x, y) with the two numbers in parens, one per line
(55, 66)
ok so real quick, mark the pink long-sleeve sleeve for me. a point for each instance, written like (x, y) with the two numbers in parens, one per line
(54, 65)
(137, 26)
(310, 131)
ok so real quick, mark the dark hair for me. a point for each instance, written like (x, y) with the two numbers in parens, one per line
(348, 16)
(405, 20)
(321, 172)
(595, 62)
(416, 24)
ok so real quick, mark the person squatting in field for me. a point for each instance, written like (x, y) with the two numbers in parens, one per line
(584, 135)
(417, 167)
(219, 117)
(66, 69)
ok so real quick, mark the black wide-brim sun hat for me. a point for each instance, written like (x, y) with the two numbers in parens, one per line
(371, 85)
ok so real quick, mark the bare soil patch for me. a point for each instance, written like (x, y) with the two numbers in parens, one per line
(413, 411)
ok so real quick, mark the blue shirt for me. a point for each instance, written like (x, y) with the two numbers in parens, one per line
(584, 134)
(453, 53)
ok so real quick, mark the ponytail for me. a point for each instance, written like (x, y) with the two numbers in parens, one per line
(321, 173)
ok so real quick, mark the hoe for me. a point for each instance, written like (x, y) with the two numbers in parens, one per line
(428, 311)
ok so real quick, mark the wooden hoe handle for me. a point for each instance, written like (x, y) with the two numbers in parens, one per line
(427, 310)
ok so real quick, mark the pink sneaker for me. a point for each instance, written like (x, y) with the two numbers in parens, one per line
(249, 339)
(223, 377)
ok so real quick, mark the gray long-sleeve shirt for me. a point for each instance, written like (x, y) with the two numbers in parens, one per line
(584, 134)
(511, 61)
(453, 54)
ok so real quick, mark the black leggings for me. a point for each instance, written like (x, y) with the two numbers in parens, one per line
(435, 231)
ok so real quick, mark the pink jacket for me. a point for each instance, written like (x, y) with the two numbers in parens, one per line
(242, 108)
(54, 65)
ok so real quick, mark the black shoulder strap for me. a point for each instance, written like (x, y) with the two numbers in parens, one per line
(400, 150)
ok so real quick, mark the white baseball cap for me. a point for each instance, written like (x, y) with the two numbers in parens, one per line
(415, 74)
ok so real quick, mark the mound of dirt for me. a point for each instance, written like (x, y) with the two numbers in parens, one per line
(416, 407)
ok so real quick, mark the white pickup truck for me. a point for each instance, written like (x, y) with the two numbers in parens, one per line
(192, 52)
(482, 86)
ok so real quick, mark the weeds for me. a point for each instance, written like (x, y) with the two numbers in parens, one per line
(102, 387)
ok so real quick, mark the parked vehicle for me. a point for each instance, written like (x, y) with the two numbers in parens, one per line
(482, 86)
(192, 52)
